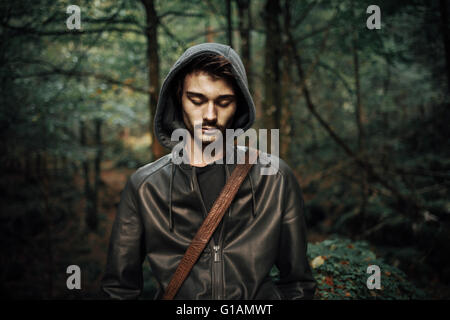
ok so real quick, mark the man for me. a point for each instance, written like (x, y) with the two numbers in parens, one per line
(164, 204)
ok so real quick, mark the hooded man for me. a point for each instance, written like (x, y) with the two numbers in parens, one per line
(164, 203)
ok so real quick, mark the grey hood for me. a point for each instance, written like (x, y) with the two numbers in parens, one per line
(168, 113)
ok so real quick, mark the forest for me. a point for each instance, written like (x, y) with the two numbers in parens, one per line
(363, 115)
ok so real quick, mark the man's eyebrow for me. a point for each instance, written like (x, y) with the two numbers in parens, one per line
(226, 96)
(197, 94)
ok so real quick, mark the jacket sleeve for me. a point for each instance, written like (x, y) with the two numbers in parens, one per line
(296, 279)
(123, 276)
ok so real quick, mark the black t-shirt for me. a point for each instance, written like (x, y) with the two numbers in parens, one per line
(211, 180)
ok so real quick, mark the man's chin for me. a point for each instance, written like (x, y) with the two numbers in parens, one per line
(206, 142)
(208, 139)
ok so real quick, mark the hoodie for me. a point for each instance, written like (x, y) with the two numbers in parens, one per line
(168, 117)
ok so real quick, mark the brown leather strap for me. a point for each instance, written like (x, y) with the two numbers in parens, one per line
(207, 228)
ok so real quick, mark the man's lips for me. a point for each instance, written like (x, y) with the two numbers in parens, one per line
(209, 130)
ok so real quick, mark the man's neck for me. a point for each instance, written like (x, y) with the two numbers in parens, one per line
(197, 157)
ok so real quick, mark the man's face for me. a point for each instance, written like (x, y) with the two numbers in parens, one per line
(208, 103)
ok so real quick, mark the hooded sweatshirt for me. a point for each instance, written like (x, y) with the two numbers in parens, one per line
(168, 115)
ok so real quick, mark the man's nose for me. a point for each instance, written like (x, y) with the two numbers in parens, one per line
(210, 112)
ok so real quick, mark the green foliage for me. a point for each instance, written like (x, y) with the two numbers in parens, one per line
(129, 157)
(340, 270)
(150, 285)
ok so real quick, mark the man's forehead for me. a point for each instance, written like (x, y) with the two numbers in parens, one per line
(202, 82)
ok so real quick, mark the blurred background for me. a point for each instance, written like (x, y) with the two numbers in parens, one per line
(363, 118)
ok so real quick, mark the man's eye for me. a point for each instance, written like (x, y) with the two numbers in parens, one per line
(196, 102)
(224, 103)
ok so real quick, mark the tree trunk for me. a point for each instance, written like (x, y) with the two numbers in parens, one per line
(229, 24)
(286, 115)
(92, 214)
(153, 64)
(209, 33)
(244, 31)
(272, 84)
(445, 37)
(86, 169)
(28, 157)
(361, 136)
(44, 178)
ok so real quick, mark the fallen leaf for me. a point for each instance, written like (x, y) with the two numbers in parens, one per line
(329, 281)
(317, 262)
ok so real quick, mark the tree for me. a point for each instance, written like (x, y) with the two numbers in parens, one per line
(153, 65)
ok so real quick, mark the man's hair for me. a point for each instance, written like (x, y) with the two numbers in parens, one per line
(215, 65)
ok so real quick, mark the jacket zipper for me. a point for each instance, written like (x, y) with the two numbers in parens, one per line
(218, 264)
(215, 249)
(216, 273)
(216, 254)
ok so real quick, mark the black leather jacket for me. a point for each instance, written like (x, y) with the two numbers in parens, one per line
(161, 209)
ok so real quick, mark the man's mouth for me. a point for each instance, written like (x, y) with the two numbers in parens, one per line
(210, 130)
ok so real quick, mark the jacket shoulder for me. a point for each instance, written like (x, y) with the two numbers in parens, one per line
(267, 160)
(144, 172)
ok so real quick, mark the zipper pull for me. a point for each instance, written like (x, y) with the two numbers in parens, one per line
(216, 254)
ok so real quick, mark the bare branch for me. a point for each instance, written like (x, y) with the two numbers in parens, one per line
(305, 13)
(204, 34)
(171, 35)
(107, 21)
(365, 165)
(83, 74)
(314, 32)
(180, 14)
(30, 31)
